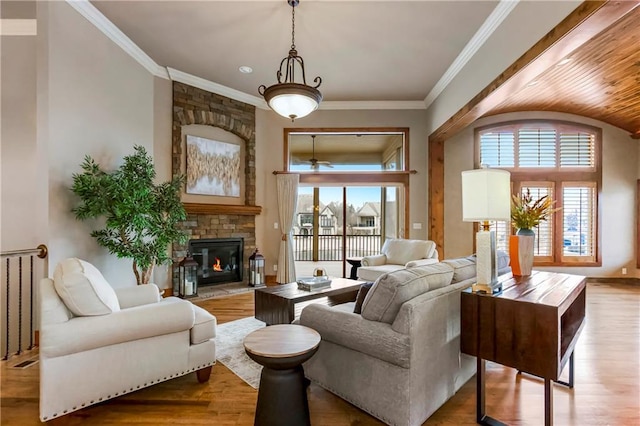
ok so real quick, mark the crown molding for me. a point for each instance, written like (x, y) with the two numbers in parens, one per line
(107, 27)
(18, 27)
(201, 83)
(94, 16)
(501, 11)
(340, 105)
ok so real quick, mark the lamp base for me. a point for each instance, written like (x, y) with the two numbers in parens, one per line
(486, 264)
(492, 288)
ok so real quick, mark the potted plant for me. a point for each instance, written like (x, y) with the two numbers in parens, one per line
(140, 217)
(526, 214)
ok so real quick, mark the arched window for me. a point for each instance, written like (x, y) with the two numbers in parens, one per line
(562, 161)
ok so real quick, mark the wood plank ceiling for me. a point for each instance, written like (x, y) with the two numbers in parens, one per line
(600, 80)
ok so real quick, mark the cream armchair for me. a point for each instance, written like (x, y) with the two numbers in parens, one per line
(97, 343)
(398, 254)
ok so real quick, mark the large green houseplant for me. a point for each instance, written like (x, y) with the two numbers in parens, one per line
(140, 217)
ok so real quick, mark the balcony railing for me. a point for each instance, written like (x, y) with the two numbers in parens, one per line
(330, 246)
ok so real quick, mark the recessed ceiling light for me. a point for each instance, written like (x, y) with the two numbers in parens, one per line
(564, 61)
(245, 69)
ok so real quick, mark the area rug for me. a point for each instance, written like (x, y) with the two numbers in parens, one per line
(230, 351)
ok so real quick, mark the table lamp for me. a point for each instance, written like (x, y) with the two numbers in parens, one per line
(486, 196)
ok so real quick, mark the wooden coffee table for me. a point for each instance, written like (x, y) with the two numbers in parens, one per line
(277, 304)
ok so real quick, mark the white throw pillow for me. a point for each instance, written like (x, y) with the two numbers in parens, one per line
(83, 289)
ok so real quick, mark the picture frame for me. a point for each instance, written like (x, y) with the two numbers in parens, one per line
(212, 167)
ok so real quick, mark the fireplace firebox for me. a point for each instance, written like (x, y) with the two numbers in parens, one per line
(219, 260)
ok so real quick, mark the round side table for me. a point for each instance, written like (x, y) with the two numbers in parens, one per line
(355, 263)
(281, 350)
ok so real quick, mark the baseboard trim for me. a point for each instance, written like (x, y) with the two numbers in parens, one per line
(616, 280)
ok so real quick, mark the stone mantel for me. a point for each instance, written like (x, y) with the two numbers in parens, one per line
(201, 208)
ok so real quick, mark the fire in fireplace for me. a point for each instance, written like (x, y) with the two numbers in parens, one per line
(219, 260)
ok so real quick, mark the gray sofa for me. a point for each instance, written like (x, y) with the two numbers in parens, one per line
(400, 359)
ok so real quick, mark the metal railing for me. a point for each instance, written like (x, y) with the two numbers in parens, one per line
(19, 295)
(330, 246)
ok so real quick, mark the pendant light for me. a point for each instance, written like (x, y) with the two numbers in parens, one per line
(288, 98)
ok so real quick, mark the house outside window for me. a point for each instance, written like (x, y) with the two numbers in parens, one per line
(306, 219)
(559, 160)
(367, 221)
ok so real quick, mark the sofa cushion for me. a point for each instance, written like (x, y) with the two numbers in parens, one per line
(372, 273)
(503, 259)
(83, 289)
(463, 268)
(204, 327)
(391, 290)
(362, 293)
(400, 251)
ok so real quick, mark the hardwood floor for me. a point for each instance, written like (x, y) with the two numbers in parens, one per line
(606, 392)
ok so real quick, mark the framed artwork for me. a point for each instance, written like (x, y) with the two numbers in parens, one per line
(213, 167)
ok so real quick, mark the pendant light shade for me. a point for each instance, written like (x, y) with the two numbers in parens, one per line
(288, 98)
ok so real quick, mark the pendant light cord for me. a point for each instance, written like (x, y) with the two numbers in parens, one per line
(293, 27)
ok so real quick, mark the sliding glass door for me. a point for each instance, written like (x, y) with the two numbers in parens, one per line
(352, 193)
(334, 224)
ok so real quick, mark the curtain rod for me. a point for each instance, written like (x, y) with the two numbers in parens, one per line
(399, 172)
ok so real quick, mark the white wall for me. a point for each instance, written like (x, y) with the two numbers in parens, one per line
(619, 173)
(100, 103)
(24, 176)
(269, 157)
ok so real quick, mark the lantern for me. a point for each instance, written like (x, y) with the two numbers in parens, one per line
(188, 277)
(256, 269)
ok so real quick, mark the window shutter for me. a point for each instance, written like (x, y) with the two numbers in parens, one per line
(503, 230)
(537, 148)
(497, 149)
(577, 149)
(578, 212)
(543, 248)
(558, 159)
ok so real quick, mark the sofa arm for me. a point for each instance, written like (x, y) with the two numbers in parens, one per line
(377, 260)
(80, 334)
(129, 297)
(347, 329)
(421, 262)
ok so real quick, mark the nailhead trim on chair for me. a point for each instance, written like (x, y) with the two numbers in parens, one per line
(125, 391)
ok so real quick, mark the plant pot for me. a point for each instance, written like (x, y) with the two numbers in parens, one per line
(521, 252)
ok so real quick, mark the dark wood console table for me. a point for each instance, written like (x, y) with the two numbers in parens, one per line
(532, 325)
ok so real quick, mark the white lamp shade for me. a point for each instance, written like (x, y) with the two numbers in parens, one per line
(293, 105)
(486, 195)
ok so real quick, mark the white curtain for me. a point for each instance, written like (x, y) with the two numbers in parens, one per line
(287, 203)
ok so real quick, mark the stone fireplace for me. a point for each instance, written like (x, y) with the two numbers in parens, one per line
(192, 105)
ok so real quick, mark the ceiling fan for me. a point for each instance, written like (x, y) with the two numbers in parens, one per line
(315, 163)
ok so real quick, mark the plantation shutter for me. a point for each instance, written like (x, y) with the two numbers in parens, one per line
(543, 244)
(578, 212)
(558, 159)
(537, 148)
(503, 230)
(497, 149)
(577, 149)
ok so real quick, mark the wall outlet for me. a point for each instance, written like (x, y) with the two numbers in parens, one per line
(624, 271)
(275, 225)
(275, 268)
